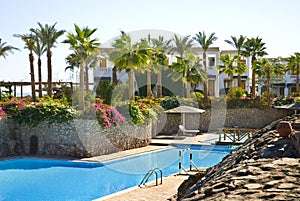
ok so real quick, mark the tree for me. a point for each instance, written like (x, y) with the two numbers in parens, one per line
(158, 59)
(160, 45)
(182, 46)
(205, 42)
(29, 40)
(238, 44)
(39, 49)
(294, 66)
(128, 56)
(4, 49)
(84, 46)
(266, 69)
(48, 36)
(190, 71)
(254, 47)
(229, 67)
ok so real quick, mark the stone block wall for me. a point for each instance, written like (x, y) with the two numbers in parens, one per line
(80, 138)
(212, 120)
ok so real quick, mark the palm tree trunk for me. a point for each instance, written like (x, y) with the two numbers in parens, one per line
(159, 82)
(49, 68)
(149, 91)
(297, 80)
(86, 78)
(230, 86)
(31, 58)
(205, 90)
(40, 77)
(268, 90)
(253, 85)
(81, 86)
(131, 83)
(114, 75)
(188, 90)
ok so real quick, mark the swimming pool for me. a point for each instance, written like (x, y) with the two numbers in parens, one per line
(38, 179)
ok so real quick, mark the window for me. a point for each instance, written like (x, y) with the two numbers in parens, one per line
(103, 63)
(211, 61)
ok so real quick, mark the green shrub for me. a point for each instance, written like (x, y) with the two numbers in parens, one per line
(238, 92)
(105, 90)
(170, 103)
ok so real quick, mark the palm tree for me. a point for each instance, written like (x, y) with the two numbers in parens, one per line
(83, 46)
(229, 67)
(190, 71)
(267, 69)
(29, 40)
(162, 46)
(205, 42)
(128, 56)
(48, 35)
(254, 47)
(182, 46)
(238, 44)
(39, 49)
(4, 49)
(158, 59)
(294, 66)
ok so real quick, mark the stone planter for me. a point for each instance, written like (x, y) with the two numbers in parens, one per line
(284, 129)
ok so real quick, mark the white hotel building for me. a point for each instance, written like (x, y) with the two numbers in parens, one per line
(216, 82)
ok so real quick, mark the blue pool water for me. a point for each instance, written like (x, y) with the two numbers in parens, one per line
(46, 180)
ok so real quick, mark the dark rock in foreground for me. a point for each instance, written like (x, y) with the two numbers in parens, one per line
(266, 167)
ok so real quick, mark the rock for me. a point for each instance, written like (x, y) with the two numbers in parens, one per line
(286, 186)
(264, 168)
(253, 186)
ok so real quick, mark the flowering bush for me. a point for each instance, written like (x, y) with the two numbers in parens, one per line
(107, 115)
(33, 113)
(2, 114)
(140, 111)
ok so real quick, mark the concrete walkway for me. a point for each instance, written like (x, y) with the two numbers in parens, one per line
(151, 192)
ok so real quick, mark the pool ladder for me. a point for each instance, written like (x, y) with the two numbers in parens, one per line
(149, 173)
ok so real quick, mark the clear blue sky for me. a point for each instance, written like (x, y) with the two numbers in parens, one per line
(275, 21)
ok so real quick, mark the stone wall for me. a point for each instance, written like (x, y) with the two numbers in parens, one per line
(80, 138)
(212, 120)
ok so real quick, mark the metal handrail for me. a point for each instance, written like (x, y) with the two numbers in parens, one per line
(149, 173)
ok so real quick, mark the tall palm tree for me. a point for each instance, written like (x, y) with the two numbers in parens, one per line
(4, 49)
(205, 42)
(84, 46)
(266, 69)
(294, 66)
(163, 46)
(158, 59)
(39, 49)
(48, 34)
(254, 48)
(230, 67)
(128, 56)
(29, 40)
(182, 46)
(238, 44)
